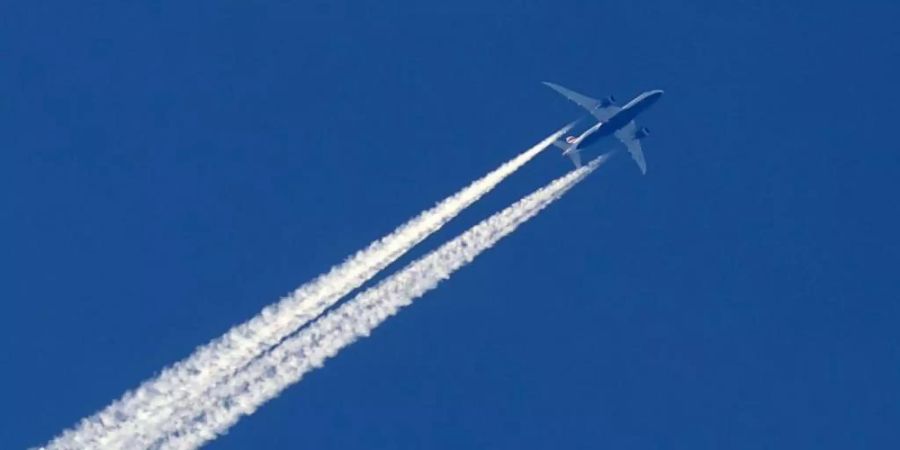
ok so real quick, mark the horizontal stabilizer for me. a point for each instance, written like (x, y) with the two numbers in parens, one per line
(568, 149)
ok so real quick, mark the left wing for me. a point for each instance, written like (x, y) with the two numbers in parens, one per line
(602, 110)
(626, 135)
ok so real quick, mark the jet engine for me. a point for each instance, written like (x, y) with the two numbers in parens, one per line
(609, 100)
(642, 133)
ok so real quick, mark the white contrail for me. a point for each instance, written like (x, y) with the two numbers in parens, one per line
(242, 343)
(263, 379)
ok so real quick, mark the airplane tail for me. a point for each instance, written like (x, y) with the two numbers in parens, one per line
(562, 144)
(569, 149)
(568, 146)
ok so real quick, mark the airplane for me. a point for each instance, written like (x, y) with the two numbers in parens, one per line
(611, 120)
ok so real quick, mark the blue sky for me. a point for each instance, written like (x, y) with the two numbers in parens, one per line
(169, 169)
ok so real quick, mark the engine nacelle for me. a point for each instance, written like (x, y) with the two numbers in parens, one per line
(642, 133)
(608, 101)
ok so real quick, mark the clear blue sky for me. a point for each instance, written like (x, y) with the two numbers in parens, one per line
(167, 169)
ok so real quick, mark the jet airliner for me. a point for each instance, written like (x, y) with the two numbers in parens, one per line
(611, 120)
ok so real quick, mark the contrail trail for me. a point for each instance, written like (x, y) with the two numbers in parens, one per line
(242, 343)
(194, 424)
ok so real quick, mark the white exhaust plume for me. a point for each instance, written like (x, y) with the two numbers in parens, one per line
(196, 423)
(235, 349)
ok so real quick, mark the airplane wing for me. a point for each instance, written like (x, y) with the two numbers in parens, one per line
(594, 106)
(626, 135)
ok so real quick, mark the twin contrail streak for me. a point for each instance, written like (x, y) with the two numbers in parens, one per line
(215, 361)
(196, 423)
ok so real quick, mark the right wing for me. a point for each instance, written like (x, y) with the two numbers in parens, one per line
(596, 107)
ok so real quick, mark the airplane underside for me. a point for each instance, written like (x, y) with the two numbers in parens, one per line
(611, 120)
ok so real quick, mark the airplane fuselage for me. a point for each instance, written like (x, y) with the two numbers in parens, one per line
(618, 120)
